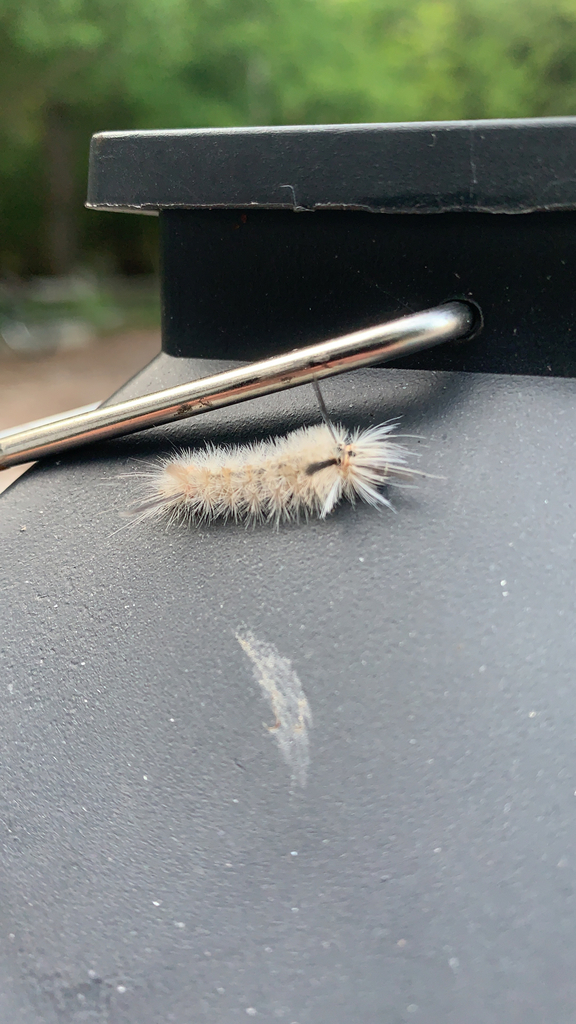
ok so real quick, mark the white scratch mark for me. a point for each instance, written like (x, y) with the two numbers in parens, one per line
(287, 699)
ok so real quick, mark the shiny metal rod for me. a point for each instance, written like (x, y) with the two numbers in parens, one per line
(362, 348)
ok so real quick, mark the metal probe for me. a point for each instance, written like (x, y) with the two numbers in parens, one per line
(378, 344)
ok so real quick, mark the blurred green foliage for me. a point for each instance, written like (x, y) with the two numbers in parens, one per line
(72, 67)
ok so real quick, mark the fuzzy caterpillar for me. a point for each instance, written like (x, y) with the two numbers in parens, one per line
(306, 472)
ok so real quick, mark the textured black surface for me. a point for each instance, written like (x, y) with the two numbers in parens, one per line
(255, 284)
(159, 865)
(148, 825)
(512, 166)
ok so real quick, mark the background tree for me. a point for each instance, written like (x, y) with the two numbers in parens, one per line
(73, 67)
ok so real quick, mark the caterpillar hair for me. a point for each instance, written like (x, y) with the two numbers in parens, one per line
(305, 473)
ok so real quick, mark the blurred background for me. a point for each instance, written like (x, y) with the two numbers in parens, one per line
(79, 309)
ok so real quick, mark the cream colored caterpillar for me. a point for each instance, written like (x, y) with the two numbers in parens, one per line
(305, 473)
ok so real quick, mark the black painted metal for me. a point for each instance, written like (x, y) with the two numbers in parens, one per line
(513, 166)
(250, 284)
(148, 828)
(273, 237)
(158, 865)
